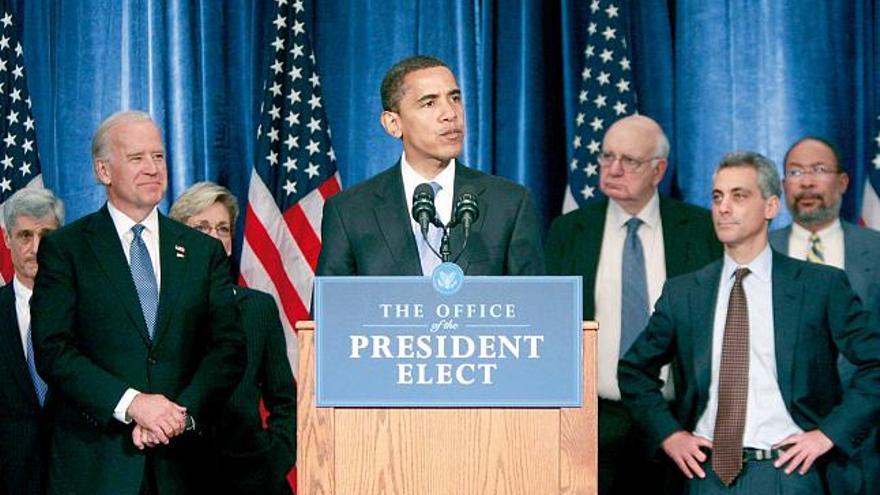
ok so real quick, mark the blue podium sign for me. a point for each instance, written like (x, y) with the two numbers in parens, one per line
(448, 341)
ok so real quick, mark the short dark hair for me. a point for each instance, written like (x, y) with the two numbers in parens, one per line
(828, 144)
(392, 83)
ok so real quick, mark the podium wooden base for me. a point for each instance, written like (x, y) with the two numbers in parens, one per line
(478, 451)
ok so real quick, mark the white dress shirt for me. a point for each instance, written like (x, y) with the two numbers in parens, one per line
(609, 285)
(767, 420)
(150, 235)
(832, 243)
(22, 310)
(443, 197)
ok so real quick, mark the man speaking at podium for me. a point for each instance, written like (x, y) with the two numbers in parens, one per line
(368, 229)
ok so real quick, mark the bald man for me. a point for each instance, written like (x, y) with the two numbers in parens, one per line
(625, 247)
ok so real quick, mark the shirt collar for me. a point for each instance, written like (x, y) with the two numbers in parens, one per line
(803, 234)
(124, 223)
(650, 214)
(411, 178)
(761, 267)
(20, 290)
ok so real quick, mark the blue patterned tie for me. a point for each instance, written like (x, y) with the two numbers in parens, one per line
(634, 304)
(144, 278)
(39, 384)
(427, 258)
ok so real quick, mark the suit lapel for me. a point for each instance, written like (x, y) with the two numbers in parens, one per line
(466, 177)
(675, 246)
(394, 221)
(10, 343)
(703, 301)
(105, 245)
(857, 260)
(173, 260)
(788, 295)
(590, 229)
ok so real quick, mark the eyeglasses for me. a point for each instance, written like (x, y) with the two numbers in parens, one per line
(818, 170)
(630, 164)
(221, 229)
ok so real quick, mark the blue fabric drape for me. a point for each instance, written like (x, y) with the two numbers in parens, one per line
(717, 75)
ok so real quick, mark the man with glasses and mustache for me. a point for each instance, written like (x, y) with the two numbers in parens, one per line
(625, 248)
(814, 184)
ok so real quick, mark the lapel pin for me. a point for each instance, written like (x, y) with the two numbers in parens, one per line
(179, 250)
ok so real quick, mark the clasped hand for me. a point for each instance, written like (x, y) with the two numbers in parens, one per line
(157, 420)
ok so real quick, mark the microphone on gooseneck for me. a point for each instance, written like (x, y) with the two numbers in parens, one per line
(423, 210)
(467, 210)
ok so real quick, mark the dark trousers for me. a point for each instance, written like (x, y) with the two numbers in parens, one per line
(758, 478)
(626, 466)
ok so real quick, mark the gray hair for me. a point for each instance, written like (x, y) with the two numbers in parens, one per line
(768, 175)
(32, 202)
(101, 139)
(200, 196)
(661, 149)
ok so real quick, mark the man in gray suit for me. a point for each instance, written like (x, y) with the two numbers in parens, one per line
(814, 185)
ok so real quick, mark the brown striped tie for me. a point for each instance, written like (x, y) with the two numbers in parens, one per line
(733, 386)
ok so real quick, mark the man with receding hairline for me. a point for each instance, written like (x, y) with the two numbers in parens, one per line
(368, 230)
(135, 330)
(28, 215)
(625, 247)
(814, 183)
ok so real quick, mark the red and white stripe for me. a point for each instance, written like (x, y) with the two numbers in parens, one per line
(280, 251)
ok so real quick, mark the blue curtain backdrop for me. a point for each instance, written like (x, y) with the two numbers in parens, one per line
(718, 76)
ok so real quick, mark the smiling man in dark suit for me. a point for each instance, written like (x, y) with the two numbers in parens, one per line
(135, 329)
(28, 215)
(367, 230)
(755, 340)
(667, 238)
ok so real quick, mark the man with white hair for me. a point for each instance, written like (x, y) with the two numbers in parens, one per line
(625, 248)
(135, 330)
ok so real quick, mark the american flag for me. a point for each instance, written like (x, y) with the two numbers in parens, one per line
(18, 138)
(871, 196)
(294, 173)
(606, 95)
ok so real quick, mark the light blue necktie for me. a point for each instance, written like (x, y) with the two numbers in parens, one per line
(144, 278)
(427, 258)
(634, 304)
(39, 385)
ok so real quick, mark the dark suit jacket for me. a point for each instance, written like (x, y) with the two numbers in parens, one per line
(91, 344)
(23, 434)
(861, 250)
(252, 459)
(366, 230)
(815, 314)
(575, 242)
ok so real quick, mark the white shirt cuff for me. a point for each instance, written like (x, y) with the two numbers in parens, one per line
(122, 406)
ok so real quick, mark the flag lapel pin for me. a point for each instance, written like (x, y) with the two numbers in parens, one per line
(179, 250)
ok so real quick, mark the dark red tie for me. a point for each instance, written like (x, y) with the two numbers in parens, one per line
(733, 386)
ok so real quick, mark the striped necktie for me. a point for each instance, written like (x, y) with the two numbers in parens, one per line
(816, 252)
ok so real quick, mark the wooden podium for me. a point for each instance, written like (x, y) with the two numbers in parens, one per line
(468, 451)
